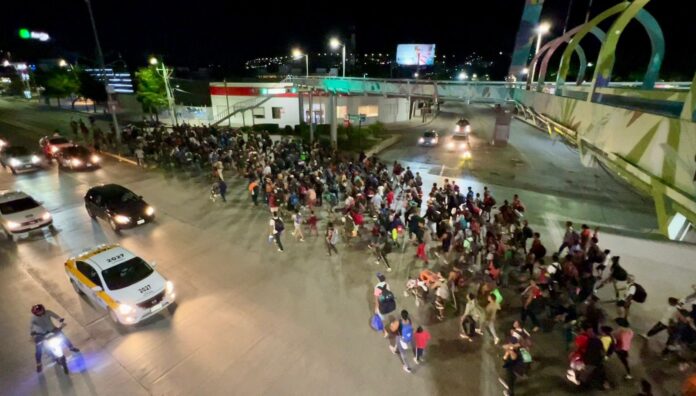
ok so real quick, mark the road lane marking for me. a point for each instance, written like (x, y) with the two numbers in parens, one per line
(442, 170)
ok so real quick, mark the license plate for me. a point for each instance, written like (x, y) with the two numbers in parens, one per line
(141, 221)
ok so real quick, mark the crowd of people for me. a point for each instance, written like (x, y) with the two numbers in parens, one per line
(473, 252)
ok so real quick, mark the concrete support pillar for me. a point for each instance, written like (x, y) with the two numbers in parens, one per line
(311, 117)
(300, 105)
(333, 104)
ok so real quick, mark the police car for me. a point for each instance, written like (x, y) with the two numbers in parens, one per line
(20, 214)
(121, 283)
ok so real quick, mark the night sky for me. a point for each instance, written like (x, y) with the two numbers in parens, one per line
(203, 32)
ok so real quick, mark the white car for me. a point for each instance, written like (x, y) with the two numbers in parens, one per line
(20, 214)
(121, 283)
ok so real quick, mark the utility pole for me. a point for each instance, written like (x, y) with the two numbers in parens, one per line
(110, 103)
(170, 98)
(227, 99)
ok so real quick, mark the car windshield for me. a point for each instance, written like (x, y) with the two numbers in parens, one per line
(127, 273)
(16, 151)
(76, 150)
(459, 137)
(429, 134)
(58, 140)
(18, 205)
(463, 122)
(119, 195)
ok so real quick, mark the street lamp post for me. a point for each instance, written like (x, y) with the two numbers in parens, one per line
(297, 54)
(166, 73)
(335, 43)
(110, 103)
(541, 30)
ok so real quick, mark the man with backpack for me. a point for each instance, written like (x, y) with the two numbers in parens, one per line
(634, 292)
(385, 302)
(276, 226)
(570, 239)
(616, 274)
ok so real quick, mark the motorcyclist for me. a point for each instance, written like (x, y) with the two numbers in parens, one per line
(41, 323)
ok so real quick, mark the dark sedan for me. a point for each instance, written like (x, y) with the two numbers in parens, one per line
(119, 206)
(77, 157)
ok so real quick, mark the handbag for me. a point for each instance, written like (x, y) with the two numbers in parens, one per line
(526, 356)
(376, 323)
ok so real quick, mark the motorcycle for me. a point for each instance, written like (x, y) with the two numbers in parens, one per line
(53, 345)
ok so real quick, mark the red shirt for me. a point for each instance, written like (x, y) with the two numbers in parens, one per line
(422, 339)
(390, 197)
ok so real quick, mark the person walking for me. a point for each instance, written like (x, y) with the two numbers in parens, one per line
(297, 222)
(471, 320)
(511, 363)
(140, 156)
(623, 336)
(385, 302)
(381, 248)
(312, 222)
(422, 337)
(492, 308)
(529, 297)
(331, 238)
(276, 229)
(254, 191)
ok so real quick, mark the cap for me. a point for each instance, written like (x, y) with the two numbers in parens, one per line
(381, 277)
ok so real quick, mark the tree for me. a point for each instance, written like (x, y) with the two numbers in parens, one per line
(17, 86)
(58, 83)
(151, 92)
(91, 88)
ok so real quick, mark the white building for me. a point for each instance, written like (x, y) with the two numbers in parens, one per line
(283, 108)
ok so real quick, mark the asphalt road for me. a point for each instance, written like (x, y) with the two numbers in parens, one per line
(251, 320)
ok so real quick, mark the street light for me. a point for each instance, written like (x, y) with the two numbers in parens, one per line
(462, 76)
(415, 75)
(335, 43)
(109, 89)
(166, 74)
(62, 63)
(6, 63)
(541, 30)
(297, 54)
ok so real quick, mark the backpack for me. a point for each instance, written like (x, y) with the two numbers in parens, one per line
(640, 295)
(278, 225)
(386, 302)
(619, 273)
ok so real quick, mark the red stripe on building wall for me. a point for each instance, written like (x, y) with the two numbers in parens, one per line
(245, 91)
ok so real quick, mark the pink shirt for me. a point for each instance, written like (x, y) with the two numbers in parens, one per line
(623, 339)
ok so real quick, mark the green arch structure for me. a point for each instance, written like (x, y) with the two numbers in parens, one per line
(550, 48)
(605, 63)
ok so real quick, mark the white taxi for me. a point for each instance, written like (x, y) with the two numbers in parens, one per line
(20, 214)
(120, 282)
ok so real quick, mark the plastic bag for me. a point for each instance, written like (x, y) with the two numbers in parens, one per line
(376, 323)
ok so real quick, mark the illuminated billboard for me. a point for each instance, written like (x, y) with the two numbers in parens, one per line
(415, 54)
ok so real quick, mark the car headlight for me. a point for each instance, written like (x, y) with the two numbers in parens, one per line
(95, 158)
(466, 155)
(46, 216)
(75, 162)
(13, 225)
(54, 149)
(421, 140)
(121, 219)
(2, 143)
(15, 162)
(149, 211)
(450, 145)
(169, 287)
(467, 128)
(462, 146)
(125, 309)
(35, 159)
(456, 128)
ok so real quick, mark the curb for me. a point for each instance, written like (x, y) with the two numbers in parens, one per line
(388, 142)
